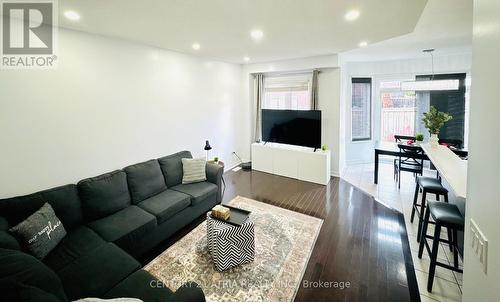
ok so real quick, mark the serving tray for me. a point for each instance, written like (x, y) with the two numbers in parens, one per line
(237, 216)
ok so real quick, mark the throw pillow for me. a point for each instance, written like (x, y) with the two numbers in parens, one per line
(40, 232)
(194, 170)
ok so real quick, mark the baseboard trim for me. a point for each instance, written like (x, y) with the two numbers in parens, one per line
(230, 167)
(233, 165)
(335, 174)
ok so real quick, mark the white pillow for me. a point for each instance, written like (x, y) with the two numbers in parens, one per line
(194, 170)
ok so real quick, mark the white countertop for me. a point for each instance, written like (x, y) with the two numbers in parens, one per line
(451, 168)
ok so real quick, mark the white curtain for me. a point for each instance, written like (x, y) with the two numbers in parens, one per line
(258, 96)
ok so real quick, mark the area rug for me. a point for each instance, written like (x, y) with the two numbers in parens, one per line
(283, 244)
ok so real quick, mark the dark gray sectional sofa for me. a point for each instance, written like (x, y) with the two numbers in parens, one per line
(111, 220)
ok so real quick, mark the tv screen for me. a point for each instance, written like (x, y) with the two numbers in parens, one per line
(293, 127)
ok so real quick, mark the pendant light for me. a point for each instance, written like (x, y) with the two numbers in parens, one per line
(430, 85)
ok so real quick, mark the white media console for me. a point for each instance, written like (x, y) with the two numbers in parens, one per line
(292, 161)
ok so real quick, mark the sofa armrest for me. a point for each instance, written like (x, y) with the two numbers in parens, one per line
(214, 175)
(188, 292)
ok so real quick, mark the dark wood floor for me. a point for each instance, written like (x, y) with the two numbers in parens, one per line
(361, 241)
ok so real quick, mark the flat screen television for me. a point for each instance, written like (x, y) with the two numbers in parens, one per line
(293, 127)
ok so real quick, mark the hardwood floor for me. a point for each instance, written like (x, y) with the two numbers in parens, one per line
(361, 241)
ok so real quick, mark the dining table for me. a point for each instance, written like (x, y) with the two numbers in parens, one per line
(392, 149)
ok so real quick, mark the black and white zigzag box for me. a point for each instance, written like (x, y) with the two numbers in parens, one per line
(230, 245)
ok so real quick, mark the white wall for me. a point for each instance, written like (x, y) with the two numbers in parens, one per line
(329, 104)
(483, 193)
(362, 151)
(111, 103)
(328, 95)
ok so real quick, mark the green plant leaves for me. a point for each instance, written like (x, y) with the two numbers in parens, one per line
(434, 120)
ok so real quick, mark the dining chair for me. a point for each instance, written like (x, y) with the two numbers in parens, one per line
(400, 139)
(456, 143)
(406, 161)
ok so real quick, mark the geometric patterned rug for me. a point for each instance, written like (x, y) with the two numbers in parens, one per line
(284, 241)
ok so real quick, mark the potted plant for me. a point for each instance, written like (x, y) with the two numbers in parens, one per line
(419, 138)
(216, 159)
(433, 121)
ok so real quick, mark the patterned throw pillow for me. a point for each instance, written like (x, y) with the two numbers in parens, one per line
(194, 170)
(40, 232)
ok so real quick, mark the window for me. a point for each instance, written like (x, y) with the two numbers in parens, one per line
(398, 112)
(290, 92)
(451, 101)
(361, 109)
(402, 111)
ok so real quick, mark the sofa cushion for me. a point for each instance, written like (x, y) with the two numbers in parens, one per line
(199, 191)
(189, 291)
(104, 195)
(66, 204)
(4, 224)
(145, 180)
(25, 269)
(7, 241)
(64, 200)
(141, 285)
(171, 167)
(41, 232)
(17, 292)
(77, 243)
(166, 204)
(124, 227)
(95, 273)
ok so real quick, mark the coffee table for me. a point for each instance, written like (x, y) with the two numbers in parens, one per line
(230, 245)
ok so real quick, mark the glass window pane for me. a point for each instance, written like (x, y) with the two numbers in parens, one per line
(287, 92)
(397, 114)
(361, 109)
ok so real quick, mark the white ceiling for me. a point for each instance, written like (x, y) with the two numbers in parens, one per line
(445, 25)
(292, 28)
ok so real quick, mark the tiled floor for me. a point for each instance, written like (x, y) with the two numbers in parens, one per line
(447, 284)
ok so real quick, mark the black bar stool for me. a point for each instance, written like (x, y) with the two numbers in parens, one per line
(444, 215)
(429, 185)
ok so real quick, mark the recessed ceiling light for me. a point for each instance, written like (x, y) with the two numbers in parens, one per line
(256, 34)
(363, 44)
(196, 46)
(246, 59)
(72, 15)
(352, 15)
